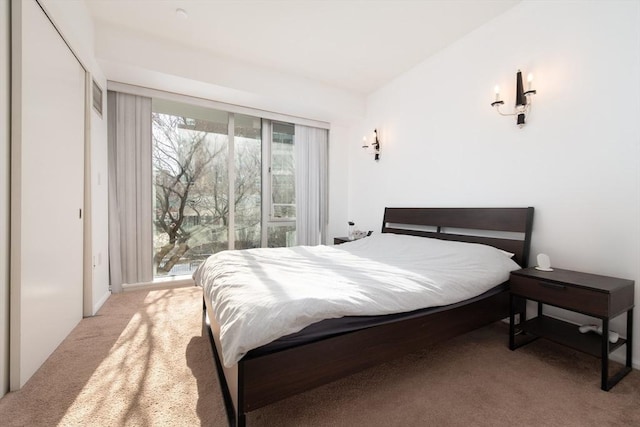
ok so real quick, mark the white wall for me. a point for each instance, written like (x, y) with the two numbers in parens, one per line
(339, 137)
(577, 160)
(134, 58)
(4, 195)
(73, 20)
(99, 203)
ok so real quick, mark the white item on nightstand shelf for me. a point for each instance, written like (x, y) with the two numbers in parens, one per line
(613, 336)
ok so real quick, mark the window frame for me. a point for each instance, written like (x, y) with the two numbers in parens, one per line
(268, 219)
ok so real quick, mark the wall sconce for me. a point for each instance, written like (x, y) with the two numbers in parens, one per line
(523, 99)
(375, 146)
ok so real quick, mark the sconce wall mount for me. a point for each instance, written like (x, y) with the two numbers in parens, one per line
(523, 99)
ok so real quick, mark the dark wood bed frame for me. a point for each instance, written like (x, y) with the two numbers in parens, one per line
(258, 381)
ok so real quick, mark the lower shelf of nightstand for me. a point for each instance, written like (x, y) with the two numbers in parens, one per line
(568, 334)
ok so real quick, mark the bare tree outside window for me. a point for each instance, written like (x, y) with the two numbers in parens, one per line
(248, 181)
(191, 184)
(191, 190)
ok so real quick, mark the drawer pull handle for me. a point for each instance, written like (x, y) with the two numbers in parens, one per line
(552, 285)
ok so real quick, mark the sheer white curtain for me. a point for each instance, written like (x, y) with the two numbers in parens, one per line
(311, 154)
(130, 227)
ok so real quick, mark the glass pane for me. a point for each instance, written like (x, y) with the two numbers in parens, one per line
(248, 181)
(283, 189)
(279, 236)
(190, 183)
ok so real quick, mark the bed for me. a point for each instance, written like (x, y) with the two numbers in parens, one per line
(331, 349)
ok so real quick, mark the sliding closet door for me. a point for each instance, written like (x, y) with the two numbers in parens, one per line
(48, 104)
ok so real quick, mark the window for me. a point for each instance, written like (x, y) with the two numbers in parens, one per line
(282, 189)
(247, 181)
(283, 178)
(208, 184)
(191, 186)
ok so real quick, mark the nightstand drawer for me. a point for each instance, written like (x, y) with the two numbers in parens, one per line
(561, 295)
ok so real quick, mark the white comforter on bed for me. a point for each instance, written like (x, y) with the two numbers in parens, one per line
(259, 295)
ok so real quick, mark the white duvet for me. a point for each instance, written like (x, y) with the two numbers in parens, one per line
(259, 295)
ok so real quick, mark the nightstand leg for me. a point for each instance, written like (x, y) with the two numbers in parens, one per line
(629, 343)
(608, 383)
(518, 306)
(539, 308)
(605, 355)
(512, 322)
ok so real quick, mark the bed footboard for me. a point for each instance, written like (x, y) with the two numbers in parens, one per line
(272, 377)
(256, 382)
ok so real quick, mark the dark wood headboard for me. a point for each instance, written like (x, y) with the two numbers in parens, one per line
(483, 220)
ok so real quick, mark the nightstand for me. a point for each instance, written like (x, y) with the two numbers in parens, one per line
(339, 240)
(597, 296)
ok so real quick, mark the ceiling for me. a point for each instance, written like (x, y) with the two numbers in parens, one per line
(356, 45)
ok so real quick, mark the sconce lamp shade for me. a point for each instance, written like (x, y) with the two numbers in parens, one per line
(520, 98)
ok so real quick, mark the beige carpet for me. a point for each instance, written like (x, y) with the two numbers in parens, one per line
(143, 362)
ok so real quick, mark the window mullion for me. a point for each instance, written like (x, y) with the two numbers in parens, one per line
(232, 183)
(266, 181)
